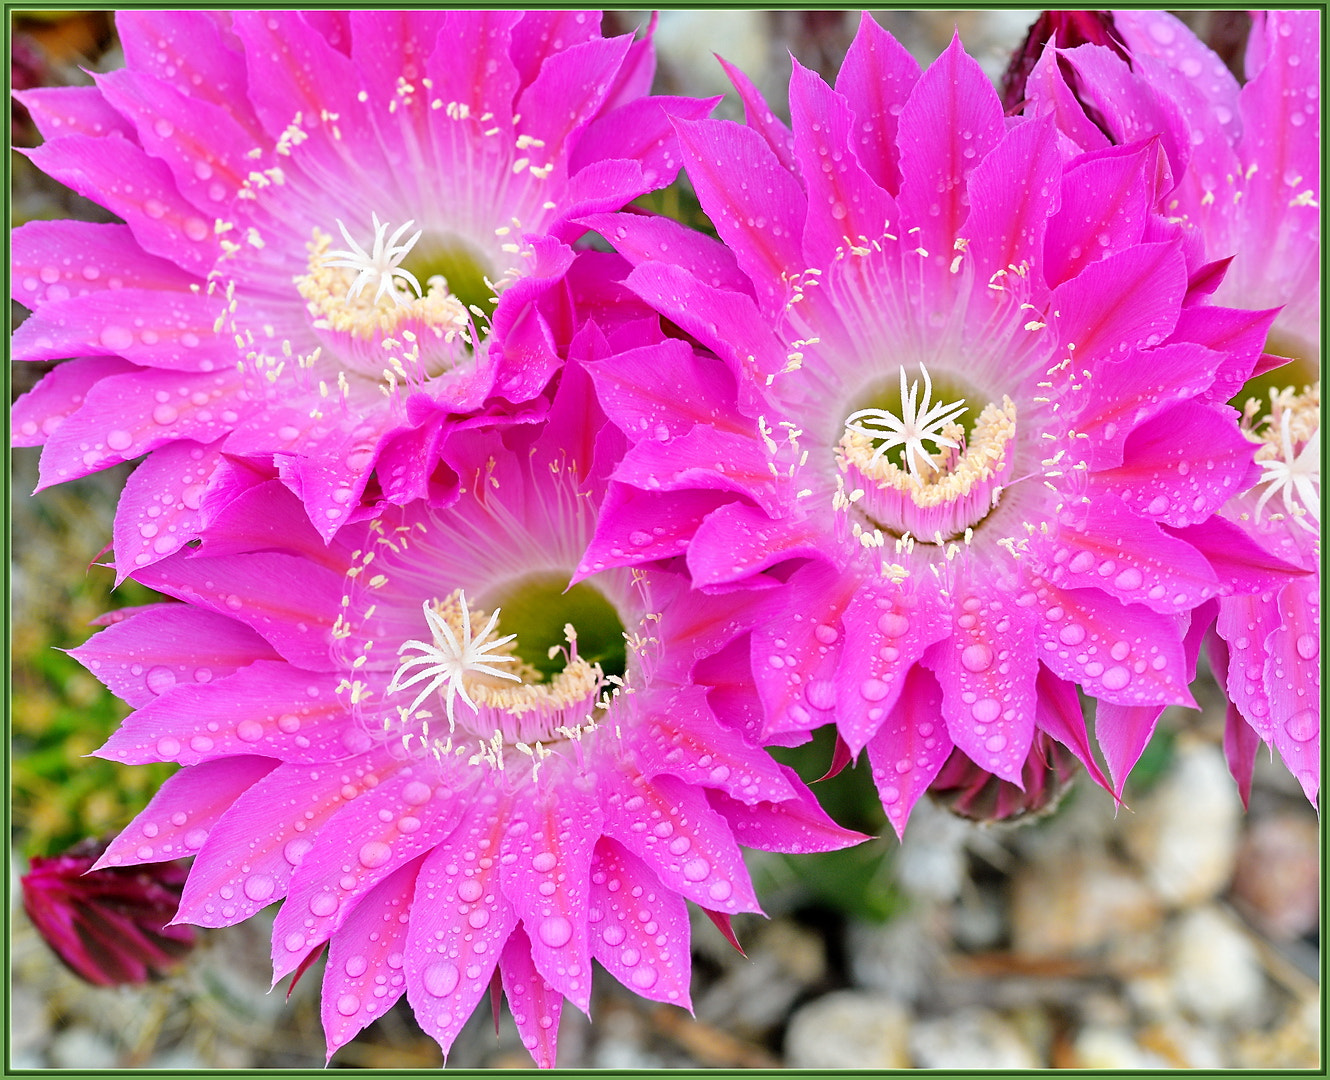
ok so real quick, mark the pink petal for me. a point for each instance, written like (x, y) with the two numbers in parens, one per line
(1058, 713)
(1240, 739)
(1107, 198)
(876, 78)
(163, 221)
(267, 516)
(910, 746)
(1293, 682)
(988, 693)
(160, 645)
(268, 708)
(1180, 466)
(190, 51)
(38, 413)
(382, 827)
(696, 856)
(177, 820)
(1237, 336)
(887, 630)
(797, 825)
(1123, 732)
(459, 922)
(639, 391)
(73, 110)
(760, 221)
(544, 865)
(689, 463)
(759, 117)
(534, 1003)
(570, 89)
(1128, 557)
(640, 131)
(796, 646)
(950, 122)
(682, 737)
(737, 540)
(1009, 213)
(643, 239)
(845, 207)
(1245, 624)
(1122, 301)
(364, 977)
(1126, 654)
(637, 526)
(639, 930)
(540, 33)
(1047, 94)
(1240, 564)
(288, 601)
(159, 508)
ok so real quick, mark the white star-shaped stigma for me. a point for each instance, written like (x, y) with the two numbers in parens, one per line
(383, 263)
(1296, 479)
(917, 422)
(448, 659)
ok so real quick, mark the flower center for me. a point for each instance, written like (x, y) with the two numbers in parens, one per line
(933, 496)
(498, 691)
(1290, 456)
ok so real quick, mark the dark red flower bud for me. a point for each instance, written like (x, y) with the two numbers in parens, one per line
(109, 926)
(1070, 28)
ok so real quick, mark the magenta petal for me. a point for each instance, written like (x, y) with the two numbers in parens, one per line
(796, 646)
(737, 540)
(910, 746)
(684, 738)
(1047, 94)
(988, 693)
(950, 122)
(1129, 557)
(715, 152)
(284, 598)
(1293, 682)
(876, 79)
(178, 819)
(642, 239)
(163, 221)
(275, 824)
(73, 110)
(887, 630)
(1237, 336)
(1240, 564)
(160, 506)
(846, 208)
(639, 390)
(759, 117)
(797, 825)
(1117, 652)
(1123, 732)
(38, 413)
(1180, 466)
(1125, 300)
(1002, 189)
(639, 930)
(361, 980)
(641, 131)
(1107, 198)
(358, 848)
(160, 645)
(696, 857)
(538, 33)
(690, 463)
(637, 526)
(43, 268)
(570, 89)
(1240, 739)
(1058, 713)
(544, 863)
(269, 708)
(534, 1003)
(1245, 623)
(266, 516)
(460, 921)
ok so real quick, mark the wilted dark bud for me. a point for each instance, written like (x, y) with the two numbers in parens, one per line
(109, 926)
(970, 792)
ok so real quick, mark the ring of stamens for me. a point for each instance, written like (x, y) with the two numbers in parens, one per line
(1293, 475)
(961, 487)
(918, 422)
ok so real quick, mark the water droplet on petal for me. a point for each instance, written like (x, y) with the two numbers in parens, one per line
(441, 978)
(556, 931)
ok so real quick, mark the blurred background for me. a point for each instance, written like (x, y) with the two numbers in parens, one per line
(1179, 932)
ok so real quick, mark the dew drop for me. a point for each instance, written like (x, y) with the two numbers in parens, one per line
(355, 966)
(159, 679)
(985, 710)
(323, 904)
(1303, 726)
(1308, 647)
(556, 931)
(375, 854)
(441, 978)
(250, 731)
(258, 887)
(893, 623)
(1115, 678)
(469, 891)
(543, 862)
(977, 657)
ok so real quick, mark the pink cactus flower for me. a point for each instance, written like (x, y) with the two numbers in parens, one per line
(963, 423)
(445, 760)
(112, 926)
(341, 232)
(1245, 161)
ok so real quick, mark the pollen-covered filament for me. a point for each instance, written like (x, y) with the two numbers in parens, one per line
(961, 486)
(504, 701)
